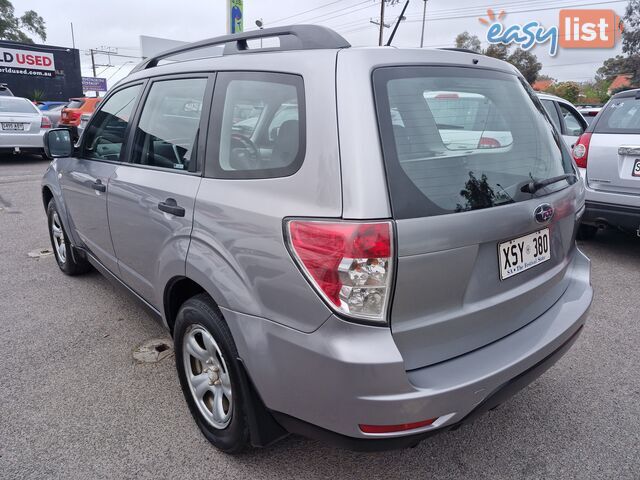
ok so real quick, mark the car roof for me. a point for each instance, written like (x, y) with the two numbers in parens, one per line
(313, 42)
(548, 96)
(628, 93)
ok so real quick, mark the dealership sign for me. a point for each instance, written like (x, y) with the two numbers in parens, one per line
(94, 84)
(27, 62)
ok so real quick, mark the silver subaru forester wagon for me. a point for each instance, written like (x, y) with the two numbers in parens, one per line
(361, 245)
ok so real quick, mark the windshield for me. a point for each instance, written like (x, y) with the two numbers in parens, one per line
(17, 105)
(457, 139)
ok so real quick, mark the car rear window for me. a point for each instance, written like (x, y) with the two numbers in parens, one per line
(457, 139)
(75, 104)
(17, 105)
(621, 115)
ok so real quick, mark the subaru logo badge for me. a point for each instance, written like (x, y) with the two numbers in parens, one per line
(543, 213)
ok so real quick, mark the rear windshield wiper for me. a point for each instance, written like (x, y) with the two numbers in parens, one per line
(535, 185)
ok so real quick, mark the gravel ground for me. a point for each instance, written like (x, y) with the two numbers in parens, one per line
(74, 404)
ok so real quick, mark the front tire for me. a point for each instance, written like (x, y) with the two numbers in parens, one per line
(69, 261)
(210, 377)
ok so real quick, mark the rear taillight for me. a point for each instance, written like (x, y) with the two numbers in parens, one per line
(45, 122)
(348, 263)
(580, 151)
(488, 142)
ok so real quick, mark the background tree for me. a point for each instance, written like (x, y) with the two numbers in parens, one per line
(631, 32)
(595, 91)
(570, 91)
(612, 67)
(527, 63)
(13, 27)
(499, 51)
(467, 41)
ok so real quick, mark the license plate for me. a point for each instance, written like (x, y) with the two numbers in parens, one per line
(636, 169)
(12, 126)
(523, 253)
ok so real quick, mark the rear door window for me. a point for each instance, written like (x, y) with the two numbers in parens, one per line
(458, 139)
(622, 115)
(259, 126)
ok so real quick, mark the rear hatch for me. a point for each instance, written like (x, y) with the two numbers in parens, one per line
(19, 116)
(478, 257)
(72, 112)
(614, 148)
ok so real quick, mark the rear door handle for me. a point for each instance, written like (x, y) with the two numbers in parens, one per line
(98, 186)
(172, 207)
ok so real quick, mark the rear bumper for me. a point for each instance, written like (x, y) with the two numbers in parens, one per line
(599, 213)
(504, 392)
(344, 374)
(9, 141)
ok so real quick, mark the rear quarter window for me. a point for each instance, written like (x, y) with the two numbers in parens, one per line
(622, 115)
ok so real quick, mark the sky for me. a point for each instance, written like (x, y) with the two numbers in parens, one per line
(119, 23)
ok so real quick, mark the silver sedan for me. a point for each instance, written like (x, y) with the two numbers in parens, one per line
(22, 126)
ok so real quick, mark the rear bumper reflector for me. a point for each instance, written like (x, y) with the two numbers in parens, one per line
(396, 428)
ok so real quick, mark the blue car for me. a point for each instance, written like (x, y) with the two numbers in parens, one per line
(44, 106)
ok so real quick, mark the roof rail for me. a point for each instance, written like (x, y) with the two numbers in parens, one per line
(293, 37)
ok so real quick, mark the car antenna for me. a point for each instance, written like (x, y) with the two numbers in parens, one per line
(400, 18)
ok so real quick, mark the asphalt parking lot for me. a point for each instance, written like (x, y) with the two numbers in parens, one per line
(74, 404)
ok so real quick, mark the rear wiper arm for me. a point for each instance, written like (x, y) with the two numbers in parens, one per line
(535, 185)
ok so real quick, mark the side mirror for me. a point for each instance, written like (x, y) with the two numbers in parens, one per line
(58, 143)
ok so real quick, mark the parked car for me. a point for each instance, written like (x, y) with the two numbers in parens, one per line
(565, 117)
(46, 106)
(349, 277)
(72, 113)
(5, 91)
(589, 113)
(22, 126)
(54, 113)
(609, 151)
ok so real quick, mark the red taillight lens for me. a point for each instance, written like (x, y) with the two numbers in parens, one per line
(395, 428)
(349, 263)
(45, 122)
(580, 151)
(488, 142)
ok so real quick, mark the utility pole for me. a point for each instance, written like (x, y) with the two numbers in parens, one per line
(424, 17)
(381, 35)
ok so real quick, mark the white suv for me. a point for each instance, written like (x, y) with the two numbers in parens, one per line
(610, 152)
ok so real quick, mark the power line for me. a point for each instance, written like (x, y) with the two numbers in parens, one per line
(555, 7)
(340, 12)
(306, 11)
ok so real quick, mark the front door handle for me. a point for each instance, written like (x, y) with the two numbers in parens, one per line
(98, 186)
(172, 207)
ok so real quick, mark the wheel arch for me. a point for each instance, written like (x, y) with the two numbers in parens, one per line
(47, 195)
(264, 429)
(178, 290)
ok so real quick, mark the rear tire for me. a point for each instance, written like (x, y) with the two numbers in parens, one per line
(210, 376)
(587, 232)
(69, 260)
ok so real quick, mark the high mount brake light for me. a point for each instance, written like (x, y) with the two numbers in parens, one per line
(348, 263)
(580, 151)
